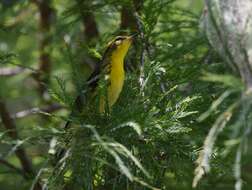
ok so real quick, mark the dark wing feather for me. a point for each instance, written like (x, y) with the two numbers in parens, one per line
(93, 79)
(92, 82)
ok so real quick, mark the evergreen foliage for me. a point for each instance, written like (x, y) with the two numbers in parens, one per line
(177, 89)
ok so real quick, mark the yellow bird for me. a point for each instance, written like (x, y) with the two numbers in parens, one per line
(112, 68)
(115, 54)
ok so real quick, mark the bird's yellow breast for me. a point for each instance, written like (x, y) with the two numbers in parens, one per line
(116, 80)
(116, 71)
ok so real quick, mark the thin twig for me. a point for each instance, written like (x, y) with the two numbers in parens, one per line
(48, 109)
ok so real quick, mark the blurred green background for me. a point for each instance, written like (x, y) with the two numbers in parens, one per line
(48, 48)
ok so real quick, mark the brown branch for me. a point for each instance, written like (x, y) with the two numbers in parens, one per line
(129, 25)
(45, 18)
(91, 31)
(7, 121)
(90, 34)
(128, 20)
(88, 19)
(10, 126)
(7, 72)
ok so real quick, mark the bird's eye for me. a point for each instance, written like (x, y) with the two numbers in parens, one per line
(118, 42)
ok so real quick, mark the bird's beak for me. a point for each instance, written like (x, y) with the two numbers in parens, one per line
(132, 37)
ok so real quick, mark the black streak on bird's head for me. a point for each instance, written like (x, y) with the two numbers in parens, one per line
(119, 41)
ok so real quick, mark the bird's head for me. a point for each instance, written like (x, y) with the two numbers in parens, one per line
(120, 45)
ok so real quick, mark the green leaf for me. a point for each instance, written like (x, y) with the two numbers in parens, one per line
(135, 126)
(227, 80)
(178, 129)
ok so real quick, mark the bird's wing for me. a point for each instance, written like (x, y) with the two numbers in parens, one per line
(92, 82)
(101, 68)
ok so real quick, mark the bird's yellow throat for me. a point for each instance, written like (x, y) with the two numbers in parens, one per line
(116, 74)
